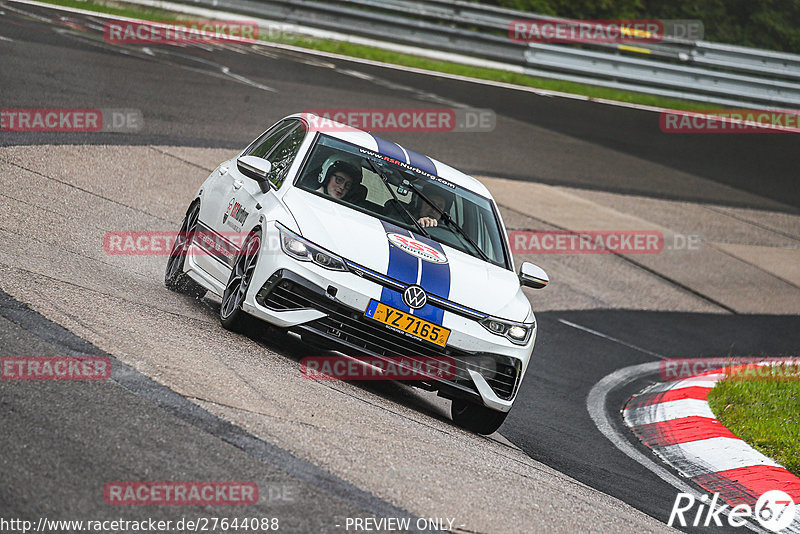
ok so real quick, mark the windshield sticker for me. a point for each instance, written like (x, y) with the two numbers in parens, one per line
(444, 182)
(397, 162)
(417, 248)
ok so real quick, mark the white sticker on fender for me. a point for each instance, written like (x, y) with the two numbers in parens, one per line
(417, 248)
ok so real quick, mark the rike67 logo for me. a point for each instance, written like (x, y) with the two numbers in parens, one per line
(775, 510)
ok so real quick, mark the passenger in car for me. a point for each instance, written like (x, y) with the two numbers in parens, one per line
(339, 179)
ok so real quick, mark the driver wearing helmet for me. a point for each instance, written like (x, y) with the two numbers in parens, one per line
(339, 178)
(427, 214)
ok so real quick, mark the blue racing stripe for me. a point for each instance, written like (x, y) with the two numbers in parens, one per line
(435, 277)
(421, 161)
(390, 149)
(436, 280)
(402, 267)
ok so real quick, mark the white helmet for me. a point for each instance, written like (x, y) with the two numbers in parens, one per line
(349, 165)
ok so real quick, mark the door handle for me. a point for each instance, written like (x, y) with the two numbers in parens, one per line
(237, 184)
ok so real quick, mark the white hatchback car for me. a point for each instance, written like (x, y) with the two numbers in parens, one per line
(369, 249)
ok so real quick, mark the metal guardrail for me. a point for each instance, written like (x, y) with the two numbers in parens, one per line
(697, 70)
(743, 59)
(731, 57)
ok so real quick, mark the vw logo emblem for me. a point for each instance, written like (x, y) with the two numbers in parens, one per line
(415, 297)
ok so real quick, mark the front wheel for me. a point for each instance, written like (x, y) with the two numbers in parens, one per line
(174, 277)
(231, 314)
(476, 418)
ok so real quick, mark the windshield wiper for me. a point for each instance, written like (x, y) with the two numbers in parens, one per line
(377, 171)
(446, 218)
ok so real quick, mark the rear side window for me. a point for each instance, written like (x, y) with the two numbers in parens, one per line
(263, 145)
(283, 155)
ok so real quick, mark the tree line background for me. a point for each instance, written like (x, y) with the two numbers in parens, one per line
(770, 24)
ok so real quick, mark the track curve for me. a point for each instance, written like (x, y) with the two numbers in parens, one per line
(563, 165)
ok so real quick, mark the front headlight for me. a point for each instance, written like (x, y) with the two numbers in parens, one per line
(304, 250)
(518, 333)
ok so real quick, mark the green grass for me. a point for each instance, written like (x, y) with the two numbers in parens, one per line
(119, 8)
(407, 60)
(764, 413)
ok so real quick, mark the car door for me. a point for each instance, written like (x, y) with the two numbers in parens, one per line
(246, 196)
(229, 201)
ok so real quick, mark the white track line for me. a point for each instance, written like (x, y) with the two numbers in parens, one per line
(712, 455)
(683, 384)
(610, 338)
(668, 411)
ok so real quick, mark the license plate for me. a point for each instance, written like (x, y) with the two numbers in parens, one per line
(407, 323)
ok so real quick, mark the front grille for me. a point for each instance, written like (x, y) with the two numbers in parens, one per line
(283, 298)
(352, 327)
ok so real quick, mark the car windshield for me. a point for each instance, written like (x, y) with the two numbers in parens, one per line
(333, 170)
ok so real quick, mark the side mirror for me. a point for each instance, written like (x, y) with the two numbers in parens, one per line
(533, 276)
(257, 169)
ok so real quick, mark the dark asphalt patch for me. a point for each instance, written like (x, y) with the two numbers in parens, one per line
(62, 441)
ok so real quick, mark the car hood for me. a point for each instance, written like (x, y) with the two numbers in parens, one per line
(365, 240)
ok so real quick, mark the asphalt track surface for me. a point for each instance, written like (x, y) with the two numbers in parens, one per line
(190, 109)
(188, 101)
(164, 436)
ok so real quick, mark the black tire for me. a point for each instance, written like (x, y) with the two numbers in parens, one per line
(476, 418)
(174, 277)
(231, 315)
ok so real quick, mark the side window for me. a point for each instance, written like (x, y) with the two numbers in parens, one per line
(264, 145)
(284, 154)
(458, 205)
(484, 239)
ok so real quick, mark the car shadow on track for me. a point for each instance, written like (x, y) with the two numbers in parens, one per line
(288, 345)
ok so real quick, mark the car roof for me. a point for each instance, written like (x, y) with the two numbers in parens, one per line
(389, 148)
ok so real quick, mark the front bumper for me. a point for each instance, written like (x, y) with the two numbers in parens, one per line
(333, 317)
